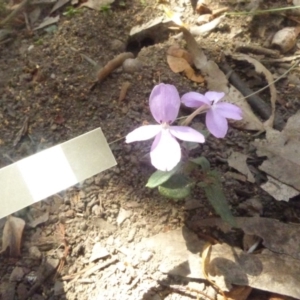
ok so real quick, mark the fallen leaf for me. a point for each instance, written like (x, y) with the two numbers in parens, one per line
(282, 150)
(266, 271)
(97, 4)
(285, 238)
(279, 190)
(260, 68)
(41, 219)
(178, 61)
(47, 22)
(98, 252)
(237, 161)
(12, 236)
(217, 81)
(58, 5)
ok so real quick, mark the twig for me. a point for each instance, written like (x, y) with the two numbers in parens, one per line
(91, 269)
(111, 66)
(124, 88)
(22, 5)
(257, 49)
(181, 289)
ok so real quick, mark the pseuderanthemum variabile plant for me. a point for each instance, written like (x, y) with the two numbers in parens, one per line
(165, 151)
(217, 112)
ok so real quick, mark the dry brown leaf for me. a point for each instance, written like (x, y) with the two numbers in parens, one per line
(178, 63)
(237, 161)
(176, 51)
(12, 236)
(260, 68)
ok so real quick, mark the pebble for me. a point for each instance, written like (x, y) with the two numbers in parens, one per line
(131, 234)
(123, 215)
(69, 213)
(17, 274)
(117, 45)
(132, 65)
(146, 256)
(58, 288)
(34, 252)
(110, 240)
(96, 210)
(121, 267)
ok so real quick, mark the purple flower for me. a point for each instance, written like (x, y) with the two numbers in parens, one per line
(217, 112)
(165, 152)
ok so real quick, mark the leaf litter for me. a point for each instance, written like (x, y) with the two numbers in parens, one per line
(229, 265)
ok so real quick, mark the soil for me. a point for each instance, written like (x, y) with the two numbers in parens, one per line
(45, 77)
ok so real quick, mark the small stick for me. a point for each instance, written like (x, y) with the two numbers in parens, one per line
(91, 269)
(111, 66)
(257, 49)
(124, 88)
(22, 5)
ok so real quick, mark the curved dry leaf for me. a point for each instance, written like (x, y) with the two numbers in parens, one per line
(238, 161)
(178, 64)
(12, 236)
(217, 81)
(260, 68)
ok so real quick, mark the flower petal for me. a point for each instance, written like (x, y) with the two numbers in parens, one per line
(164, 103)
(165, 151)
(216, 124)
(193, 99)
(214, 96)
(186, 133)
(228, 110)
(143, 133)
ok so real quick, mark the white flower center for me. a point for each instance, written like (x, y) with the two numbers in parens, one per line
(165, 125)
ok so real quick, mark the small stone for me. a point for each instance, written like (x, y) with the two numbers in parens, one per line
(146, 256)
(58, 288)
(70, 213)
(110, 240)
(17, 274)
(98, 252)
(35, 252)
(96, 210)
(121, 266)
(132, 65)
(123, 215)
(131, 234)
(117, 45)
(83, 226)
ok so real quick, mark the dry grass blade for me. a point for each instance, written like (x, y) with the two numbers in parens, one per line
(205, 261)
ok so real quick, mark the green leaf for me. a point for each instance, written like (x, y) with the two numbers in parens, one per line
(201, 161)
(159, 177)
(216, 197)
(177, 187)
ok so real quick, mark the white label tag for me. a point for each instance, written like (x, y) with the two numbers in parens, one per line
(52, 170)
